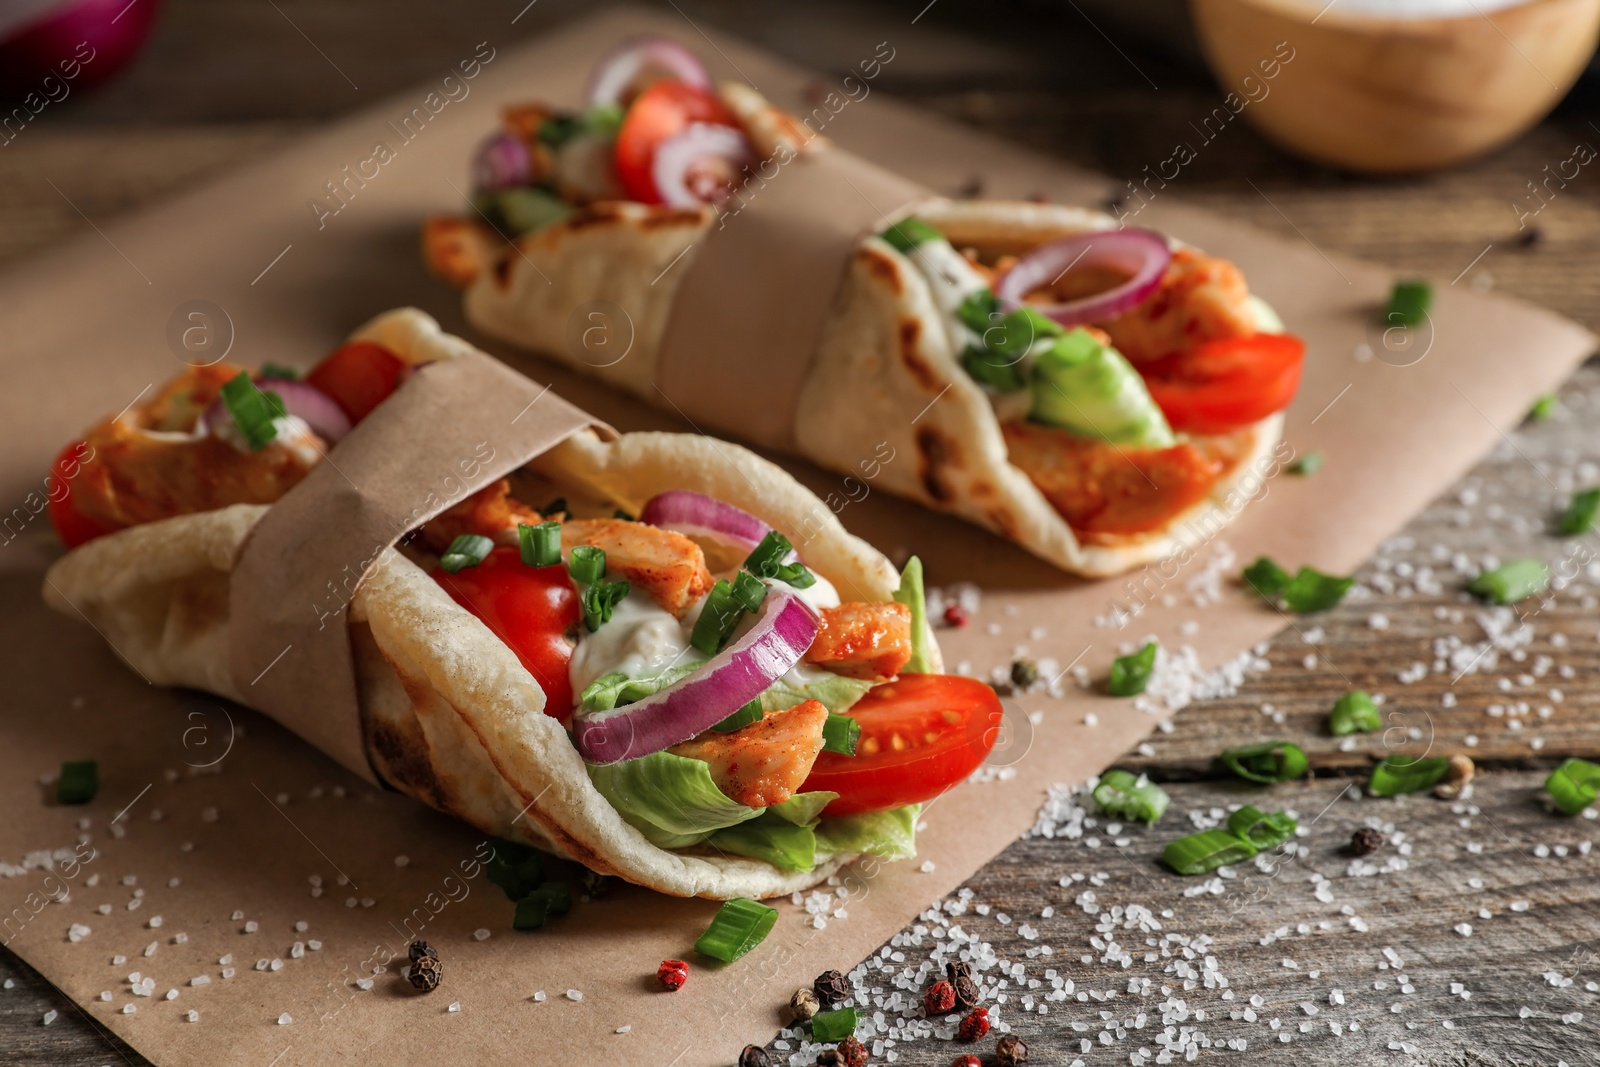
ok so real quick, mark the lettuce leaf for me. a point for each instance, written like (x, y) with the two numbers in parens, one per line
(836, 692)
(803, 809)
(616, 689)
(783, 844)
(910, 594)
(891, 835)
(671, 799)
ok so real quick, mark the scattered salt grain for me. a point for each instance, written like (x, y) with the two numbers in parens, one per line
(455, 1005)
(573, 994)
(285, 1019)
(480, 934)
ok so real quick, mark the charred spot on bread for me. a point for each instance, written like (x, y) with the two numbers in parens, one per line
(935, 453)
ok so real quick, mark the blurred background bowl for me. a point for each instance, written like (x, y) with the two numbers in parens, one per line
(1390, 94)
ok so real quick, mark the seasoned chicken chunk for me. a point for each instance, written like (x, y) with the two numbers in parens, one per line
(664, 563)
(1201, 298)
(863, 640)
(766, 762)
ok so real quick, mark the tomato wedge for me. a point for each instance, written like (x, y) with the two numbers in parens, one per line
(72, 526)
(358, 376)
(1219, 386)
(531, 609)
(661, 111)
(920, 735)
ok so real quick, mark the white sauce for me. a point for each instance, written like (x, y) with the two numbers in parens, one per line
(292, 433)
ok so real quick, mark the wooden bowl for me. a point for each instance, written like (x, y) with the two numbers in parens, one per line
(1391, 95)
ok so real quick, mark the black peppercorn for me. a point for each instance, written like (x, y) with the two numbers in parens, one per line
(1011, 1051)
(754, 1056)
(831, 988)
(420, 949)
(1024, 673)
(960, 974)
(1366, 841)
(425, 973)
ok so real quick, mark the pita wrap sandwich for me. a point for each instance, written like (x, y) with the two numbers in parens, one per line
(613, 653)
(1101, 396)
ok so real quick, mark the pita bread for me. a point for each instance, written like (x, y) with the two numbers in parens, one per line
(449, 714)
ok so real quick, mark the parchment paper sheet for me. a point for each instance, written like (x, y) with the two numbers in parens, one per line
(86, 329)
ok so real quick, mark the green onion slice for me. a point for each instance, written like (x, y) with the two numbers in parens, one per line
(467, 550)
(586, 563)
(1512, 581)
(1311, 590)
(79, 782)
(841, 734)
(1406, 774)
(541, 544)
(908, 233)
(749, 591)
(767, 561)
(1262, 830)
(998, 372)
(252, 411)
(1308, 464)
(278, 370)
(598, 600)
(833, 1025)
(1354, 713)
(1270, 761)
(540, 906)
(1408, 303)
(978, 311)
(1266, 578)
(1544, 407)
(746, 715)
(721, 613)
(1580, 515)
(1127, 797)
(1573, 785)
(1206, 851)
(739, 926)
(1130, 674)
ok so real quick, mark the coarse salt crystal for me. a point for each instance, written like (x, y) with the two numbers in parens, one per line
(480, 934)
(50, 1016)
(573, 994)
(285, 1019)
(455, 1005)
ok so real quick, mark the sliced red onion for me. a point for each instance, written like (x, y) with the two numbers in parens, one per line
(738, 674)
(503, 162)
(622, 71)
(1140, 254)
(698, 515)
(326, 419)
(701, 165)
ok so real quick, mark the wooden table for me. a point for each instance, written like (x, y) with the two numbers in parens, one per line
(233, 80)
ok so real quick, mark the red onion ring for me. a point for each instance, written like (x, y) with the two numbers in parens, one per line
(688, 167)
(326, 419)
(738, 674)
(1139, 253)
(620, 70)
(698, 515)
(75, 44)
(502, 162)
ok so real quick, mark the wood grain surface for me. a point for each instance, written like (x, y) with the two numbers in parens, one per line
(230, 81)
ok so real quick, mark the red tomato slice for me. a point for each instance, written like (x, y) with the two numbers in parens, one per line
(72, 526)
(1219, 386)
(661, 111)
(358, 376)
(531, 609)
(920, 735)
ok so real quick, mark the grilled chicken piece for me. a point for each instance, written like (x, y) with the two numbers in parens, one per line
(1201, 298)
(457, 250)
(664, 563)
(492, 511)
(766, 762)
(863, 640)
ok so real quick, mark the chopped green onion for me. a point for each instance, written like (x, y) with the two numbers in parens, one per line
(586, 563)
(1580, 514)
(1308, 464)
(739, 926)
(1270, 761)
(598, 599)
(467, 550)
(278, 370)
(252, 411)
(517, 869)
(1406, 774)
(1261, 829)
(721, 613)
(1544, 407)
(79, 781)
(1131, 673)
(1014, 337)
(1311, 590)
(833, 1025)
(541, 544)
(1511, 582)
(1125, 796)
(749, 590)
(767, 561)
(908, 233)
(1354, 713)
(540, 906)
(558, 505)
(1266, 578)
(1573, 785)
(841, 734)
(746, 715)
(1408, 303)
(978, 310)
(1206, 851)
(992, 369)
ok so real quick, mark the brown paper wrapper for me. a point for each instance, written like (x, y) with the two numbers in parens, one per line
(748, 315)
(1395, 437)
(453, 428)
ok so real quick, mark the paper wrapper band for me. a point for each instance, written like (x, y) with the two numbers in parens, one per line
(457, 425)
(748, 315)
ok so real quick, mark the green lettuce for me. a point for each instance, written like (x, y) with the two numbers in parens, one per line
(1089, 389)
(616, 689)
(835, 692)
(910, 594)
(783, 844)
(670, 799)
(890, 835)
